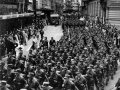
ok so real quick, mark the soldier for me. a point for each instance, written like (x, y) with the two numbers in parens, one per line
(80, 81)
(45, 43)
(46, 86)
(3, 85)
(33, 82)
(68, 83)
(90, 80)
(52, 42)
(19, 81)
(117, 85)
(42, 33)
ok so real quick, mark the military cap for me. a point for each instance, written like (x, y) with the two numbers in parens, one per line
(20, 48)
(88, 67)
(57, 72)
(23, 89)
(91, 65)
(3, 82)
(53, 69)
(58, 62)
(67, 75)
(81, 60)
(49, 64)
(9, 65)
(30, 74)
(18, 70)
(68, 71)
(78, 72)
(45, 83)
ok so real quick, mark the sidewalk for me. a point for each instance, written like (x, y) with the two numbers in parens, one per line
(25, 48)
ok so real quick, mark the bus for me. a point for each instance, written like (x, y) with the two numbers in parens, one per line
(55, 19)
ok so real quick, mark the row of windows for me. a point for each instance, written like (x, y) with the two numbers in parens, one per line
(94, 9)
(8, 1)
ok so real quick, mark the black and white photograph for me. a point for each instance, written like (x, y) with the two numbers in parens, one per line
(59, 44)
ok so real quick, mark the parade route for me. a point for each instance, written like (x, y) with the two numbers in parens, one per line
(56, 33)
(53, 31)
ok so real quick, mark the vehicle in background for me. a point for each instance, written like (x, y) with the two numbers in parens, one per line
(55, 19)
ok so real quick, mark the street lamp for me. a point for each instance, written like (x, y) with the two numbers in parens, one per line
(34, 8)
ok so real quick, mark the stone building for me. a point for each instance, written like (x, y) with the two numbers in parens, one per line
(107, 10)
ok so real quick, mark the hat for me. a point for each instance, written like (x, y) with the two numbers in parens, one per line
(57, 72)
(81, 60)
(49, 64)
(67, 75)
(77, 72)
(20, 48)
(18, 70)
(88, 67)
(9, 65)
(30, 74)
(58, 62)
(45, 84)
(23, 89)
(3, 82)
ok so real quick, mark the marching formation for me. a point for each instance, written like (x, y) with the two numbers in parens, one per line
(85, 57)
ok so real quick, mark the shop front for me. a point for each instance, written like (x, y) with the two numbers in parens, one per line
(114, 12)
(12, 22)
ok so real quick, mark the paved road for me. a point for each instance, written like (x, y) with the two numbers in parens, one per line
(52, 31)
(49, 31)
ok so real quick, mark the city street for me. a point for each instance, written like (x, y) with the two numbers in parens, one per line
(59, 44)
(56, 33)
(52, 31)
(49, 31)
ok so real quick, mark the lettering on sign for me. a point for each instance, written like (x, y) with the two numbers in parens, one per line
(115, 1)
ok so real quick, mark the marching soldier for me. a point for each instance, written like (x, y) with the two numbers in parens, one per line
(80, 82)
(68, 83)
(90, 80)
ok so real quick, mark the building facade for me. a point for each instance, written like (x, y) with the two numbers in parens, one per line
(107, 10)
(113, 12)
(95, 8)
(57, 6)
(8, 7)
(72, 4)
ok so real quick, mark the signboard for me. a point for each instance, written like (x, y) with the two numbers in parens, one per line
(15, 15)
(7, 9)
(8, 1)
(111, 2)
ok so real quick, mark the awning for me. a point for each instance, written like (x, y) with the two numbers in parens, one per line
(15, 15)
(54, 15)
(68, 11)
(46, 10)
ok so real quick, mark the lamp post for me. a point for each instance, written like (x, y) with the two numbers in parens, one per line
(34, 8)
(78, 9)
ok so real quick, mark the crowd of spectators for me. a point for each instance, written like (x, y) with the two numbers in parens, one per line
(85, 56)
(12, 39)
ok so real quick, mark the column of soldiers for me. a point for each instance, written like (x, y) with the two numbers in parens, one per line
(85, 56)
